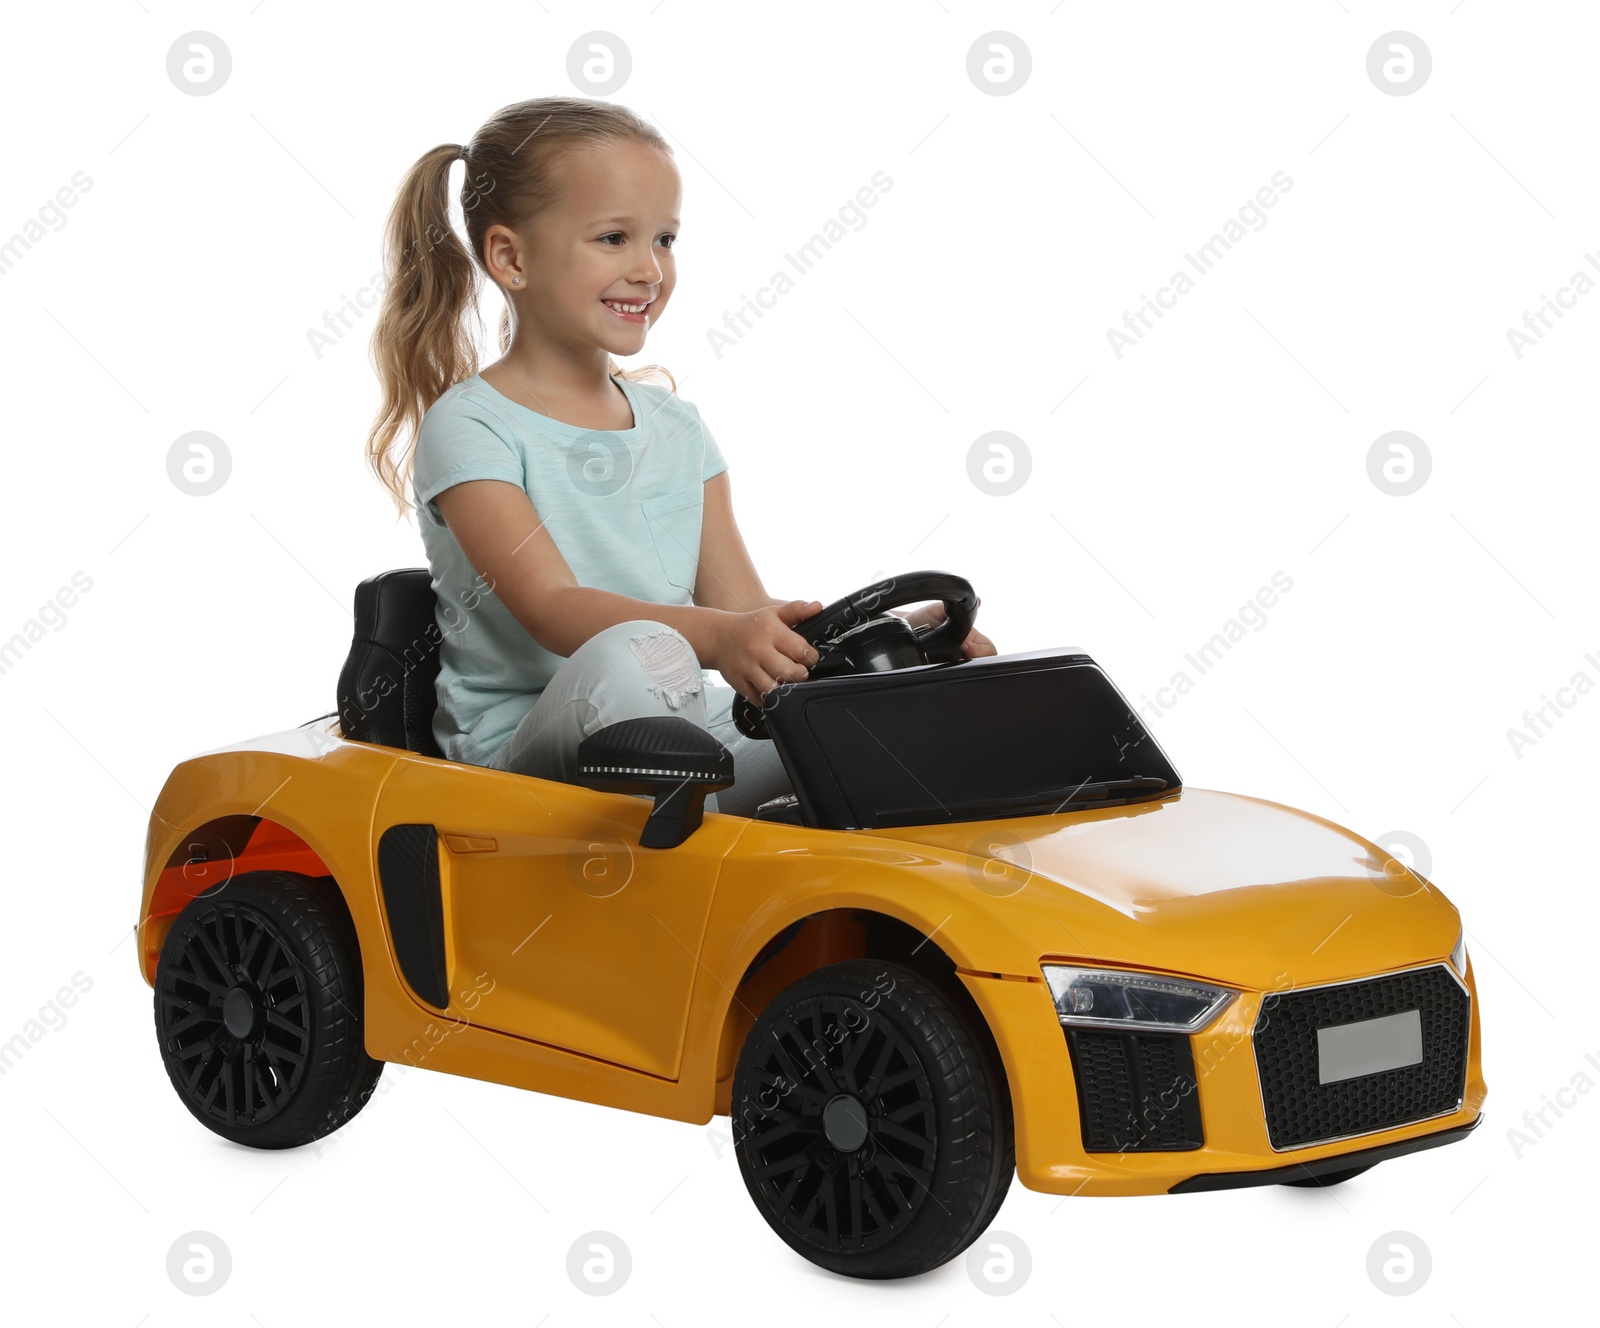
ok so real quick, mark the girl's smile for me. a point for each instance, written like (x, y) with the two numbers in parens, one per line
(634, 311)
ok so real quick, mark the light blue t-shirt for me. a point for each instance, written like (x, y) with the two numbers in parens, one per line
(623, 506)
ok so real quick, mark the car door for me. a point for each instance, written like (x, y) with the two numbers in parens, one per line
(548, 919)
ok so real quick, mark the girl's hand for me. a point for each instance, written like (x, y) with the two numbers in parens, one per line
(758, 650)
(930, 615)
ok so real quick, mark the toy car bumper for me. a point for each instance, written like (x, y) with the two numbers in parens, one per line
(1236, 1104)
(1296, 1171)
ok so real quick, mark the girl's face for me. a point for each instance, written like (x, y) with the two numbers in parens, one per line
(606, 243)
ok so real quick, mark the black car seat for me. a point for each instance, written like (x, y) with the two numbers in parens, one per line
(386, 691)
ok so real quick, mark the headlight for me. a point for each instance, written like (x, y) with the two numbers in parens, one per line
(1105, 998)
(1458, 956)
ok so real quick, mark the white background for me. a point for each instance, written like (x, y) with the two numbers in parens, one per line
(1166, 487)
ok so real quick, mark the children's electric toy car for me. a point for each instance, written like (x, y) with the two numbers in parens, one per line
(989, 932)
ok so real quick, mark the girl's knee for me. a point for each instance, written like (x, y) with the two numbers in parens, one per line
(671, 668)
(662, 654)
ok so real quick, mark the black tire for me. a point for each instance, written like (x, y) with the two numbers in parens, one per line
(1328, 1178)
(258, 1000)
(1007, 1172)
(871, 1127)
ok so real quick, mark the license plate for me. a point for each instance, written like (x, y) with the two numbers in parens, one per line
(1370, 1046)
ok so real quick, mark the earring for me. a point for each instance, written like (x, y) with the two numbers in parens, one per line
(516, 281)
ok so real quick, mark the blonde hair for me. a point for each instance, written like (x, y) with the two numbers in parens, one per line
(421, 345)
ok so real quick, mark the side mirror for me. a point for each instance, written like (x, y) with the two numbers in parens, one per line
(667, 755)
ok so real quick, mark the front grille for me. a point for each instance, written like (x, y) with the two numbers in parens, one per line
(1136, 1091)
(1301, 1111)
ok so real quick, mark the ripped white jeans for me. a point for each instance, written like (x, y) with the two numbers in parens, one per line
(628, 671)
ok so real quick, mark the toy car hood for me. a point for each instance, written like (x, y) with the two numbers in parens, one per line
(1203, 882)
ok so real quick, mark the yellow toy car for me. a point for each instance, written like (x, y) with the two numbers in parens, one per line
(989, 932)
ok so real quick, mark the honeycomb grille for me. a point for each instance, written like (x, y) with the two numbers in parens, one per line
(1301, 1111)
(1136, 1091)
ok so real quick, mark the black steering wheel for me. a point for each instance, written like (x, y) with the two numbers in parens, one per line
(858, 634)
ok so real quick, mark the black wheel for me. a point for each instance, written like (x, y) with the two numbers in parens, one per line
(258, 1012)
(1328, 1178)
(872, 1127)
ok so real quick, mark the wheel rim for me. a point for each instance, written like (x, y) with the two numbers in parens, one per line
(840, 1076)
(234, 1016)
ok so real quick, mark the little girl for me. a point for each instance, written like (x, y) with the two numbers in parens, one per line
(578, 520)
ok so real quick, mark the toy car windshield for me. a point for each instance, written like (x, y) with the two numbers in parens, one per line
(1012, 735)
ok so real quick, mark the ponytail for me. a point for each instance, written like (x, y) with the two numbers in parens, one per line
(420, 345)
